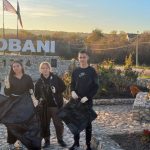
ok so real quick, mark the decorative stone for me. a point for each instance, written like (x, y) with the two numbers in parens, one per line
(141, 107)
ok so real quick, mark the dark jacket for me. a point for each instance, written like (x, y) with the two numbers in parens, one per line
(43, 90)
(85, 82)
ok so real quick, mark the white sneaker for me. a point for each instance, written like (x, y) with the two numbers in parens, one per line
(11, 147)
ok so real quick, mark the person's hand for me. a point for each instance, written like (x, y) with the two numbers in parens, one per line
(6, 82)
(53, 89)
(31, 91)
(84, 99)
(74, 95)
(34, 100)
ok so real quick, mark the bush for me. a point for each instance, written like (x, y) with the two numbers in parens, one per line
(115, 83)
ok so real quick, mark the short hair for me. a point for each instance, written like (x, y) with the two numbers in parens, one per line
(45, 63)
(83, 52)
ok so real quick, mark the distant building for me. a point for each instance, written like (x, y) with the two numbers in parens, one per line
(131, 36)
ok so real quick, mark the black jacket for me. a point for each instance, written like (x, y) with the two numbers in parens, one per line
(43, 90)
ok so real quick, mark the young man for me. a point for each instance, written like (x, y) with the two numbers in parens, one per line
(84, 86)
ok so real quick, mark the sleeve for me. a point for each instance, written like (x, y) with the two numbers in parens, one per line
(31, 85)
(73, 83)
(7, 91)
(61, 85)
(95, 85)
(37, 91)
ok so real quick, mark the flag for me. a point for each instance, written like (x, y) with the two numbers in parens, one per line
(18, 13)
(8, 7)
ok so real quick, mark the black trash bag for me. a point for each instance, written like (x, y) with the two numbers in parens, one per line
(77, 115)
(42, 112)
(20, 117)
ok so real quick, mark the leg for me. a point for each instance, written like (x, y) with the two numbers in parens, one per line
(46, 128)
(57, 123)
(88, 134)
(76, 142)
(11, 139)
(59, 126)
(76, 139)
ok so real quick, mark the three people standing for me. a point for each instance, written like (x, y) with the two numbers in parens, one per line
(48, 91)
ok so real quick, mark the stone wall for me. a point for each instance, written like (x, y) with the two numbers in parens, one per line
(141, 108)
(31, 64)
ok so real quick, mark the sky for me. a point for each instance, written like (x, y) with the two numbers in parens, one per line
(81, 15)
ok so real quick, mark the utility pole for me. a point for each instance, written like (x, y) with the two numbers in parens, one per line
(137, 46)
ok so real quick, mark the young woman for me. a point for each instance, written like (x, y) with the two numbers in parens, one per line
(48, 90)
(16, 84)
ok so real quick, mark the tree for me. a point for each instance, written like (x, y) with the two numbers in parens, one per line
(95, 36)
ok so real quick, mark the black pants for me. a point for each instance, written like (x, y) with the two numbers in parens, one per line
(88, 132)
(11, 139)
(58, 124)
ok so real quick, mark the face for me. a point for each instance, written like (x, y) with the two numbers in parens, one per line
(17, 68)
(83, 58)
(45, 70)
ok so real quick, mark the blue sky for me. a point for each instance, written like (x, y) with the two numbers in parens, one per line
(82, 15)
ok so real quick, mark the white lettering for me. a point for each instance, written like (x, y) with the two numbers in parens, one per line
(4, 44)
(17, 45)
(14, 45)
(52, 50)
(28, 46)
(41, 45)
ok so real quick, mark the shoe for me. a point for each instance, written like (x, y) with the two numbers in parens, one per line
(11, 147)
(88, 148)
(74, 147)
(62, 143)
(46, 144)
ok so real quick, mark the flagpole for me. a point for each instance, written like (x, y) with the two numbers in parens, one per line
(17, 19)
(3, 22)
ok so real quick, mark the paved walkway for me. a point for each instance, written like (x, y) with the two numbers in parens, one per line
(111, 119)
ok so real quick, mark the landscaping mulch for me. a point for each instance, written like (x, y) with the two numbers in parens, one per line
(131, 141)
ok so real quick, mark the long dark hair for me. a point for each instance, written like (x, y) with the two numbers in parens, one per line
(12, 73)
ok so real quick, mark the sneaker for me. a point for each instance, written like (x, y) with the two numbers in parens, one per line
(11, 147)
(46, 144)
(74, 147)
(62, 143)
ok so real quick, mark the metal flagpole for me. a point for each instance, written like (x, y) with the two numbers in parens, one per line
(3, 22)
(17, 19)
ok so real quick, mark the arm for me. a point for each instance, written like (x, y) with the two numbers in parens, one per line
(8, 86)
(7, 91)
(31, 85)
(61, 86)
(73, 83)
(95, 85)
(37, 90)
